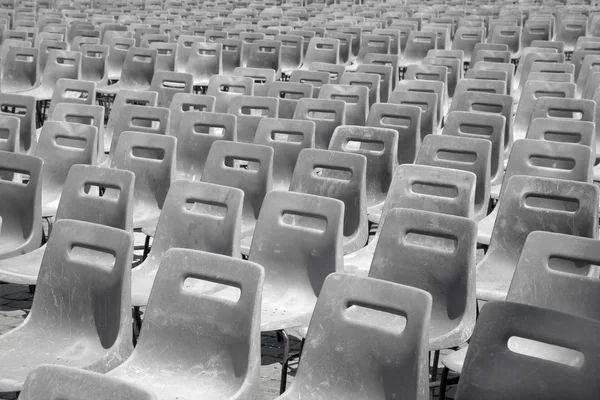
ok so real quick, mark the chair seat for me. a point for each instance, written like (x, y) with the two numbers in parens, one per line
(455, 361)
(69, 348)
(284, 312)
(493, 281)
(114, 89)
(180, 385)
(485, 227)
(359, 262)
(144, 217)
(11, 245)
(40, 93)
(495, 191)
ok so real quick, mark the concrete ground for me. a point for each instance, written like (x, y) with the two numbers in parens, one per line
(16, 300)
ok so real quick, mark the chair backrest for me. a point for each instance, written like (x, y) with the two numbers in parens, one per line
(62, 145)
(200, 216)
(138, 67)
(433, 189)
(136, 118)
(21, 203)
(46, 47)
(531, 203)
(374, 43)
(183, 103)
(365, 316)
(325, 50)
(23, 108)
(61, 64)
(327, 116)
(493, 75)
(298, 240)
(482, 126)
(417, 46)
(573, 110)
(81, 114)
(225, 88)
(288, 138)
(461, 153)
(223, 167)
(152, 159)
(466, 38)
(167, 84)
(509, 35)
(73, 92)
(225, 332)
(315, 78)
(81, 201)
(567, 131)
(262, 78)
(231, 54)
(480, 85)
(496, 66)
(389, 60)
(554, 277)
(424, 240)
(533, 90)
(427, 102)
(495, 357)
(385, 74)
(54, 382)
(427, 86)
(19, 72)
(165, 57)
(265, 54)
(94, 63)
(488, 103)
(249, 111)
(355, 97)
(288, 94)
(184, 49)
(92, 264)
(340, 176)
(371, 81)
(197, 132)
(380, 147)
(205, 60)
(406, 120)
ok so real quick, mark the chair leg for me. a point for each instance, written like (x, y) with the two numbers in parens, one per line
(146, 248)
(434, 368)
(137, 324)
(286, 356)
(443, 383)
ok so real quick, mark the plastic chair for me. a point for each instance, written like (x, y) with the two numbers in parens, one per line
(486, 104)
(385, 82)
(224, 88)
(79, 195)
(19, 72)
(527, 204)
(406, 120)
(385, 60)
(223, 167)
(205, 60)
(371, 81)
(569, 29)
(373, 43)
(575, 110)
(94, 63)
(345, 46)
(165, 58)
(287, 138)
(461, 153)
(427, 102)
(73, 92)
(454, 70)
(497, 327)
(326, 50)
(427, 86)
(504, 67)
(327, 116)
(265, 54)
(183, 103)
(466, 38)
(231, 54)
(58, 382)
(417, 46)
(315, 78)
(423, 240)
(420, 187)
(184, 49)
(341, 176)
(245, 109)
(365, 316)
(195, 136)
(20, 204)
(151, 158)
(235, 354)
(117, 54)
(89, 264)
(198, 216)
(46, 47)
(262, 78)
(289, 93)
(533, 90)
(147, 119)
(565, 131)
(355, 97)
(62, 145)
(488, 75)
(380, 147)
(167, 84)
(137, 71)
